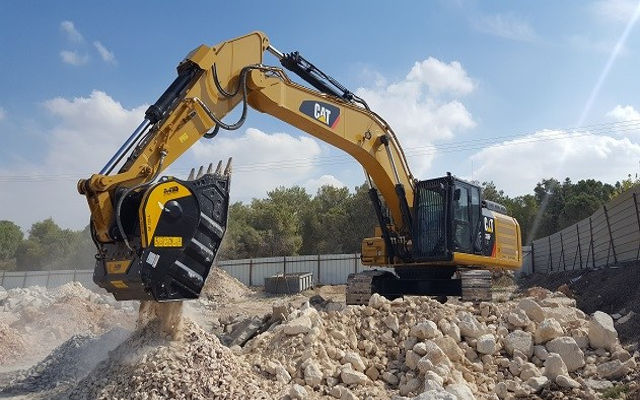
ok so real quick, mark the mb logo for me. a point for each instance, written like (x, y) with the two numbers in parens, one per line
(322, 112)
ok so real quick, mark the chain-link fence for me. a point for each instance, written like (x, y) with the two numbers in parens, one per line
(610, 237)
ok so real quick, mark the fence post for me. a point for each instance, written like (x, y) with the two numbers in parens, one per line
(284, 265)
(579, 247)
(318, 277)
(564, 260)
(250, 271)
(355, 263)
(533, 259)
(635, 202)
(48, 276)
(550, 260)
(593, 253)
(613, 246)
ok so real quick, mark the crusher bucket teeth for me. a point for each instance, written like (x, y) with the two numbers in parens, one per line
(181, 226)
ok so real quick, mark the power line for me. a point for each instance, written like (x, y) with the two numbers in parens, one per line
(458, 146)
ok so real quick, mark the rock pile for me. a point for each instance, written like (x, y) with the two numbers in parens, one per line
(534, 347)
(150, 366)
(67, 364)
(45, 318)
(222, 286)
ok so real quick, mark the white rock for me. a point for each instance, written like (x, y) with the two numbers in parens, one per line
(298, 392)
(581, 336)
(420, 348)
(528, 370)
(532, 309)
(566, 382)
(469, 326)
(351, 377)
(390, 378)
(449, 347)
(568, 349)
(540, 352)
(450, 329)
(598, 384)
(501, 390)
(436, 395)
(613, 369)
(461, 391)
(373, 373)
(518, 318)
(377, 301)
(282, 375)
(519, 340)
(346, 394)
(602, 333)
(547, 330)
(299, 325)
(424, 330)
(412, 358)
(391, 322)
(554, 366)
(434, 355)
(486, 344)
(312, 374)
(353, 359)
(409, 386)
(537, 383)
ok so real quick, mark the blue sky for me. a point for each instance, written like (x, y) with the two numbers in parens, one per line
(76, 76)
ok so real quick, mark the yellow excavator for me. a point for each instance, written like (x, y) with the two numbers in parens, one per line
(157, 237)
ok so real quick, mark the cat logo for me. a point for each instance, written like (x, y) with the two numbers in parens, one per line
(488, 225)
(169, 190)
(322, 112)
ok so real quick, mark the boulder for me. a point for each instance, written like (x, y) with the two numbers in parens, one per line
(411, 385)
(353, 359)
(612, 370)
(532, 309)
(547, 330)
(298, 392)
(312, 374)
(391, 322)
(602, 333)
(518, 318)
(469, 326)
(282, 375)
(424, 330)
(537, 383)
(377, 301)
(390, 378)
(519, 340)
(554, 366)
(566, 382)
(568, 349)
(434, 355)
(351, 377)
(486, 344)
(461, 391)
(449, 346)
(373, 373)
(299, 325)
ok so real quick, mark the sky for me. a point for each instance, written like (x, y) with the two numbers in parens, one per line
(509, 92)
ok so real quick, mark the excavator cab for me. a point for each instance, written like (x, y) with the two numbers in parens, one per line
(447, 219)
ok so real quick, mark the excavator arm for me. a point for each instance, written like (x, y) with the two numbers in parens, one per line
(157, 240)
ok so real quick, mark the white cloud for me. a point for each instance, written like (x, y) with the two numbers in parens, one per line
(416, 110)
(3, 114)
(517, 165)
(508, 26)
(106, 54)
(624, 113)
(312, 185)
(261, 161)
(441, 77)
(617, 11)
(86, 132)
(72, 33)
(73, 57)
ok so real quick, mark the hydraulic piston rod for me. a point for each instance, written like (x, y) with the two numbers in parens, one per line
(126, 147)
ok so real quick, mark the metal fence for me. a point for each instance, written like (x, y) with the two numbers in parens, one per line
(327, 269)
(611, 236)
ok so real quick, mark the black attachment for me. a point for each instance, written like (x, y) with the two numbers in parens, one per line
(383, 222)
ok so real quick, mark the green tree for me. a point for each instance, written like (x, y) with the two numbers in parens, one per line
(10, 238)
(48, 246)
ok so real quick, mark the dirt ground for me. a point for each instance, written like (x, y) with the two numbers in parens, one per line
(615, 291)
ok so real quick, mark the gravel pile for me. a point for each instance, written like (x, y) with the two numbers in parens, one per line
(222, 286)
(67, 364)
(45, 318)
(151, 366)
(535, 347)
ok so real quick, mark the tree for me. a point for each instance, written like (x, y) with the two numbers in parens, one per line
(48, 246)
(10, 238)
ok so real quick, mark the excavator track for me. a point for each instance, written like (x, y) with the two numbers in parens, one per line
(476, 284)
(360, 287)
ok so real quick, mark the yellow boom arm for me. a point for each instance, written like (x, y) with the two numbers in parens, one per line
(212, 82)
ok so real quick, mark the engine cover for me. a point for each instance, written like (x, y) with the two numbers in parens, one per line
(174, 239)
